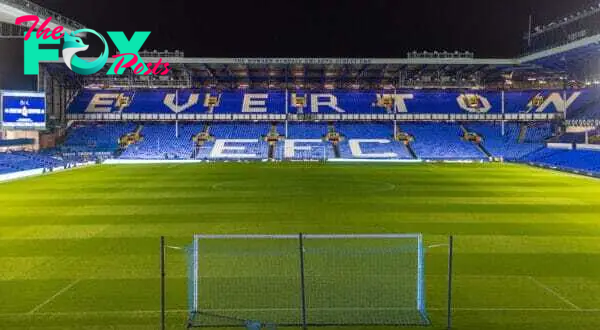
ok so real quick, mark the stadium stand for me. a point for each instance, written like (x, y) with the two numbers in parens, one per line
(159, 141)
(570, 160)
(509, 146)
(22, 161)
(140, 124)
(588, 109)
(441, 141)
(372, 131)
(522, 142)
(96, 137)
(569, 138)
(250, 144)
(313, 145)
(89, 103)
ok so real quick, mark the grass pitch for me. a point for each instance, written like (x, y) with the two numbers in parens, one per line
(80, 249)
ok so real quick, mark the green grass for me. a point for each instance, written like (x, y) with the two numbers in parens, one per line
(79, 249)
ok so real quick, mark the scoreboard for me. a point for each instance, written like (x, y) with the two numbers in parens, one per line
(23, 110)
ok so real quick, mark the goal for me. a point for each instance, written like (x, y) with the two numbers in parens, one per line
(306, 280)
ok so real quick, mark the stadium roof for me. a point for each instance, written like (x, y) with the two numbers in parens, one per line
(570, 60)
(572, 57)
(366, 71)
(325, 70)
(11, 9)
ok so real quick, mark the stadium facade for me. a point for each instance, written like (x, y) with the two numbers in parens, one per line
(542, 108)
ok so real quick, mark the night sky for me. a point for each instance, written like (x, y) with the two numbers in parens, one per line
(325, 28)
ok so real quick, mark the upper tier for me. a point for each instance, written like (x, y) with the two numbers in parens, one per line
(580, 104)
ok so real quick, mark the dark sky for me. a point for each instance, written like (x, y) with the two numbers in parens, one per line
(325, 28)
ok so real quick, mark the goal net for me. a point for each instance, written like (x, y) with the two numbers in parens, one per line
(304, 280)
(321, 152)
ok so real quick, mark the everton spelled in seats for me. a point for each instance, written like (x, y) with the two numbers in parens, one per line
(256, 102)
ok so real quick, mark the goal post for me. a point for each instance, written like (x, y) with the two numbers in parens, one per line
(237, 279)
(306, 280)
(319, 153)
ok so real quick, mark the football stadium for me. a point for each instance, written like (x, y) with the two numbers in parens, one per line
(148, 189)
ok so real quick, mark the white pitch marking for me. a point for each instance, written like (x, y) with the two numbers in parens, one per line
(556, 294)
(519, 309)
(436, 246)
(63, 290)
(468, 309)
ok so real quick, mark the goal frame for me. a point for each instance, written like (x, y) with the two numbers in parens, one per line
(193, 270)
(313, 156)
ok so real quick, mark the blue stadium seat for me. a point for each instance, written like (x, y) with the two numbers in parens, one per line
(96, 137)
(441, 141)
(22, 161)
(159, 141)
(375, 131)
(311, 131)
(572, 160)
(508, 146)
(189, 101)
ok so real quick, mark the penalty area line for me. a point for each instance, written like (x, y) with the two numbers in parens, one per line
(554, 293)
(47, 301)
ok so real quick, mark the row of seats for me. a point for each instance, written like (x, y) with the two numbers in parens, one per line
(573, 160)
(431, 140)
(441, 141)
(507, 145)
(436, 141)
(96, 137)
(577, 137)
(589, 109)
(583, 103)
(22, 161)
(377, 131)
(256, 132)
(160, 141)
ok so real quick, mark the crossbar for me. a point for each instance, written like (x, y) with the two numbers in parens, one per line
(308, 236)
